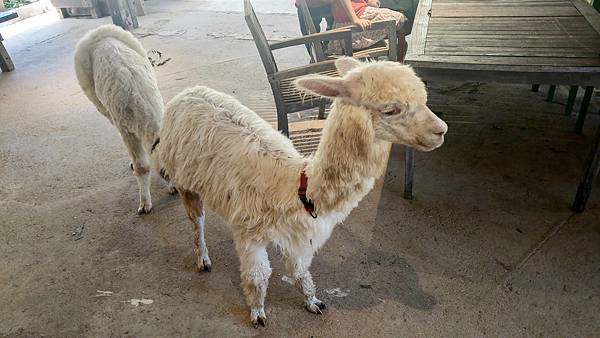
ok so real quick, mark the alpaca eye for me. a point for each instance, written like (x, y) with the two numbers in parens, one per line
(391, 111)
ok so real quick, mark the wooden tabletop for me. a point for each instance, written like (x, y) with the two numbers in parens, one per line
(553, 41)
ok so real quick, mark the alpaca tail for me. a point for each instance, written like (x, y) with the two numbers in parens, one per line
(83, 57)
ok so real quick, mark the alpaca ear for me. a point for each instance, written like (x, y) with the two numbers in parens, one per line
(327, 86)
(344, 65)
(320, 85)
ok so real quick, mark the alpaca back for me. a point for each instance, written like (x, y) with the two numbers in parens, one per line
(242, 167)
(113, 70)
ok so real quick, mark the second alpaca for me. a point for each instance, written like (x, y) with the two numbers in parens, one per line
(114, 72)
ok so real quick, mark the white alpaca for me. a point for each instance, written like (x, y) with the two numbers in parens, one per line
(216, 150)
(114, 72)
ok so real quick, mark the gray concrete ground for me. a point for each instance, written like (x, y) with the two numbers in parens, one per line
(487, 248)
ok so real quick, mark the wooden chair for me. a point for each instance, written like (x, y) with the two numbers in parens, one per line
(287, 98)
(389, 51)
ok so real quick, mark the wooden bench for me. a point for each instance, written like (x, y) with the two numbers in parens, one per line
(6, 63)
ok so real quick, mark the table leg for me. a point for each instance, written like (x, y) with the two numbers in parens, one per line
(6, 63)
(571, 100)
(409, 171)
(585, 104)
(593, 167)
(551, 91)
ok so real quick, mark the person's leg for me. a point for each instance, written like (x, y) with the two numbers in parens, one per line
(330, 22)
(406, 7)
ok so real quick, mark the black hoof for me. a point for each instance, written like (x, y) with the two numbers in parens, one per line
(259, 321)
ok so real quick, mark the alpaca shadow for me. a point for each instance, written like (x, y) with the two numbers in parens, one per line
(374, 277)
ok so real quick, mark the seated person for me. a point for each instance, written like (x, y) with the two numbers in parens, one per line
(362, 13)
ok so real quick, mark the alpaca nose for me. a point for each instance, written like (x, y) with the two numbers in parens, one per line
(440, 129)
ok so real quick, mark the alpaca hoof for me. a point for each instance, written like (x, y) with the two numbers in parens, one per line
(258, 318)
(316, 306)
(172, 190)
(204, 265)
(144, 209)
(260, 321)
(131, 165)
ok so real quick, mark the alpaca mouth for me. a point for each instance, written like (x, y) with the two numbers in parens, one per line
(422, 146)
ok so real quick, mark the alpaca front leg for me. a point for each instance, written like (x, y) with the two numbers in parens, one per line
(195, 211)
(142, 176)
(255, 272)
(297, 269)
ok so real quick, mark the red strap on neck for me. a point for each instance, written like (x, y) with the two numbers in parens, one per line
(309, 206)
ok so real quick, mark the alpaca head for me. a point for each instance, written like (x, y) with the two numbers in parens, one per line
(391, 93)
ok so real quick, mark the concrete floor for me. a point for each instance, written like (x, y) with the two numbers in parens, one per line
(488, 246)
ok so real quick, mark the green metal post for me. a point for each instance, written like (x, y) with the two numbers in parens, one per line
(585, 104)
(571, 100)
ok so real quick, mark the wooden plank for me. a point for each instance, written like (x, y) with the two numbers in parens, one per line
(481, 62)
(564, 3)
(513, 51)
(304, 125)
(72, 3)
(303, 70)
(499, 22)
(565, 19)
(511, 24)
(491, 11)
(559, 42)
(461, 2)
(511, 36)
(420, 27)
(517, 34)
(590, 14)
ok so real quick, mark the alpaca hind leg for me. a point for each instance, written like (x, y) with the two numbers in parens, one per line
(297, 269)
(170, 186)
(141, 170)
(255, 272)
(195, 211)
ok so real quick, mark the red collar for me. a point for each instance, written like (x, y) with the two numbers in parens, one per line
(309, 206)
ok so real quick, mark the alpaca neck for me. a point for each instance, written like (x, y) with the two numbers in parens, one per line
(348, 158)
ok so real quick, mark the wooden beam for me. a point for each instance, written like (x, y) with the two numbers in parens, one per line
(420, 27)
(6, 63)
(123, 14)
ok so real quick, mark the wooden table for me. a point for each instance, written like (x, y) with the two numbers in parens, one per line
(512, 41)
(6, 63)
